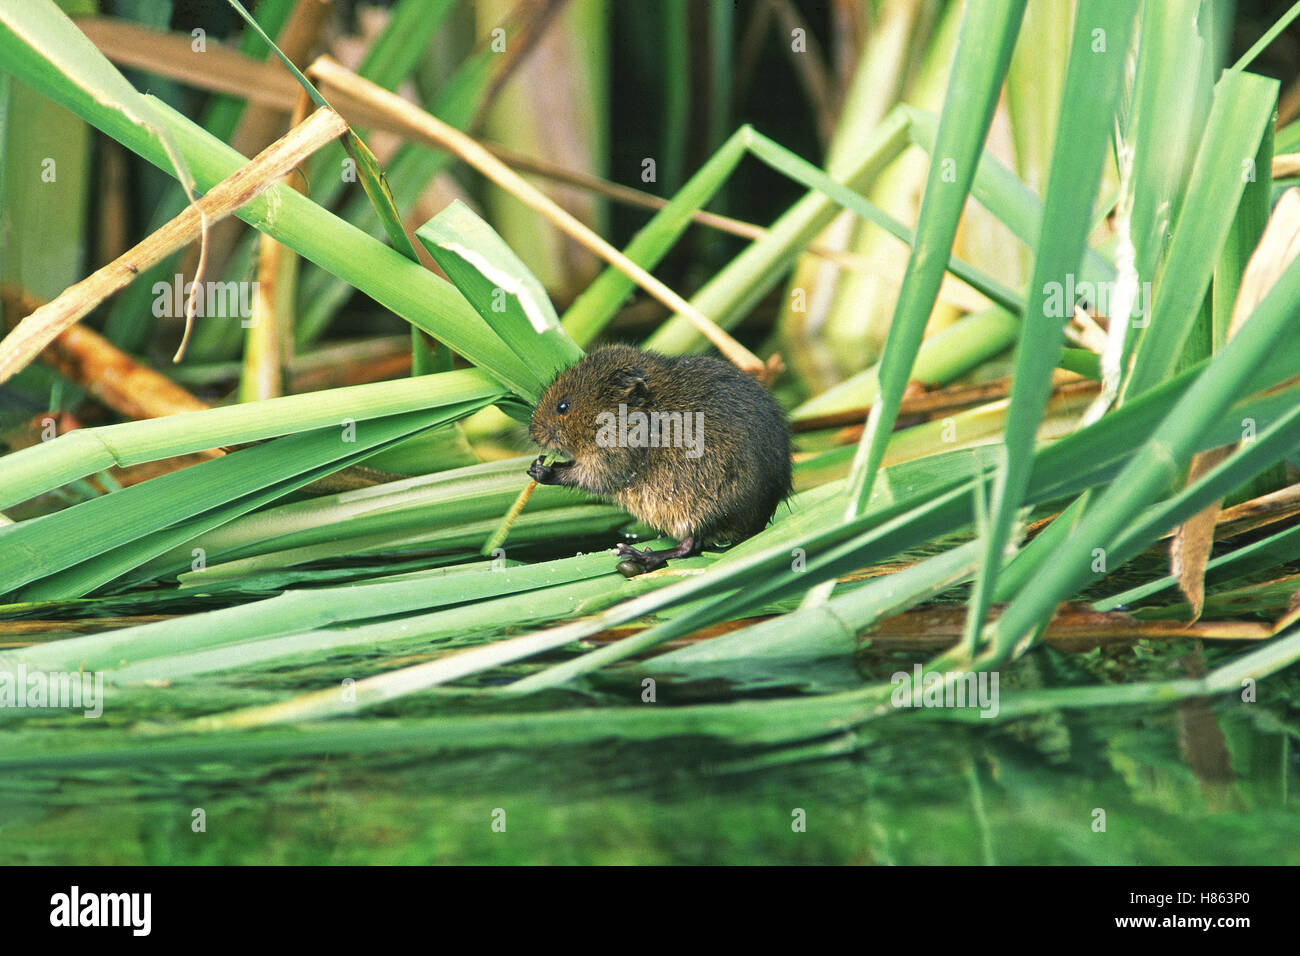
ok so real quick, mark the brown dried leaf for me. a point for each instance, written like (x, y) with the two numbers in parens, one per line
(1189, 552)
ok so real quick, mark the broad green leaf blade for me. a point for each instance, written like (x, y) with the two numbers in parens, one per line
(410, 171)
(472, 493)
(1243, 106)
(1158, 463)
(1000, 191)
(730, 294)
(34, 549)
(88, 575)
(1170, 100)
(1092, 85)
(380, 195)
(1247, 227)
(39, 38)
(372, 177)
(988, 34)
(592, 310)
(526, 606)
(766, 650)
(77, 454)
(296, 611)
(804, 172)
(500, 288)
(130, 320)
(391, 279)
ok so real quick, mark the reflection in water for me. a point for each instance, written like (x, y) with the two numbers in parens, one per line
(1192, 783)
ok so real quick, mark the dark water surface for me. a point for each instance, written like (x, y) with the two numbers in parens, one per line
(1185, 784)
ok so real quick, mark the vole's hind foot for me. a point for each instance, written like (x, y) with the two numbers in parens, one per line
(638, 562)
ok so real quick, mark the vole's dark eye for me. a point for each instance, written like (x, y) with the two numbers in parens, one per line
(563, 407)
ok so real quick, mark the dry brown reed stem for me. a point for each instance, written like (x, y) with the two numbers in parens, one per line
(42, 326)
(335, 79)
(268, 86)
(114, 378)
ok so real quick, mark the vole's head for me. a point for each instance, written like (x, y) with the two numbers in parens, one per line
(565, 419)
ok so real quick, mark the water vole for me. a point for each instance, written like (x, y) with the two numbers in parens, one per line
(691, 446)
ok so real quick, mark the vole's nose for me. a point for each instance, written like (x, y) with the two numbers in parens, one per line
(544, 435)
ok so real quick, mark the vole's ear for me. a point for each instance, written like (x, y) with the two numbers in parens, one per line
(631, 384)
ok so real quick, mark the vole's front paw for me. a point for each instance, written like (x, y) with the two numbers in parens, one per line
(541, 472)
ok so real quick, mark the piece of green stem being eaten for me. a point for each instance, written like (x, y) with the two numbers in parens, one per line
(507, 520)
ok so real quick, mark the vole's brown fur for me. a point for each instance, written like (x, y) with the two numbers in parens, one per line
(726, 483)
